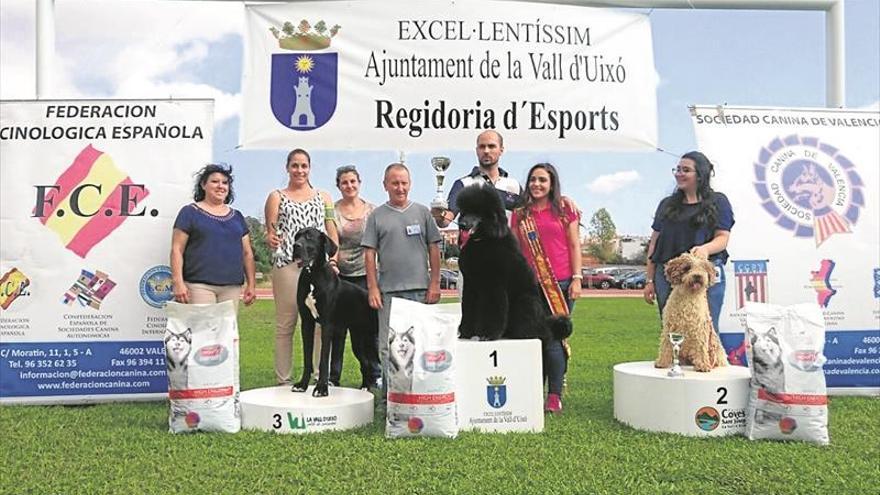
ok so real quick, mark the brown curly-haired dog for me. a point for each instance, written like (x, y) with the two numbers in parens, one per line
(687, 312)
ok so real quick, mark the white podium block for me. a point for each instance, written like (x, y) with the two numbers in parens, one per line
(499, 386)
(280, 410)
(696, 404)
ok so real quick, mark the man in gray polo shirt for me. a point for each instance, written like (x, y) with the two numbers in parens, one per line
(406, 240)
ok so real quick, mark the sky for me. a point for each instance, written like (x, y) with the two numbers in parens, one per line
(160, 49)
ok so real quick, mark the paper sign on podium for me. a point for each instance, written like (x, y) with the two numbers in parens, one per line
(499, 386)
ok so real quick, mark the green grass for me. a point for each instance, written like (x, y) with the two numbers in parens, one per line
(125, 448)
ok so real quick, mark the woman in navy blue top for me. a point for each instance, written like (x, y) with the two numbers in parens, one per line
(211, 255)
(694, 219)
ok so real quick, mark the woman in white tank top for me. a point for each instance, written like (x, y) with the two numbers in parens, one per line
(288, 210)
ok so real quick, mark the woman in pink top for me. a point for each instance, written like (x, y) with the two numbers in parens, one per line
(549, 235)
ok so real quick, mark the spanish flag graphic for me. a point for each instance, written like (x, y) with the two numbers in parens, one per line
(12, 284)
(99, 204)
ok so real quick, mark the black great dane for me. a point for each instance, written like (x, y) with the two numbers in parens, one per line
(336, 305)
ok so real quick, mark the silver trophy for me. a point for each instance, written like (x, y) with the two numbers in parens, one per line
(440, 164)
(675, 339)
(279, 252)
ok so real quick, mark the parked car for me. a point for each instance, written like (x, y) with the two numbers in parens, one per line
(593, 280)
(448, 279)
(613, 270)
(621, 274)
(635, 281)
(621, 270)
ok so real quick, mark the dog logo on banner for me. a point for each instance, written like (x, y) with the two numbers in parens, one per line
(496, 391)
(303, 84)
(809, 187)
(751, 281)
(820, 280)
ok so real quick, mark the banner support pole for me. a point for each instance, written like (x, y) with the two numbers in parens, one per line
(835, 57)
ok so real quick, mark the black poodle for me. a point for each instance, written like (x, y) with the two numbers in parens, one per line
(501, 298)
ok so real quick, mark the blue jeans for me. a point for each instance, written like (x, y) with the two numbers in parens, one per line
(555, 360)
(715, 295)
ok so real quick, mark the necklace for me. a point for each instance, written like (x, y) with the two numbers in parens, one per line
(216, 210)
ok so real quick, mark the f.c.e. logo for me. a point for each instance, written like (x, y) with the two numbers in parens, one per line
(89, 200)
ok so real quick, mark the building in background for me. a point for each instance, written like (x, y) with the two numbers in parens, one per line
(622, 249)
(633, 247)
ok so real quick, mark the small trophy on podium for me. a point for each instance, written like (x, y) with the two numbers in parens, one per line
(440, 164)
(675, 339)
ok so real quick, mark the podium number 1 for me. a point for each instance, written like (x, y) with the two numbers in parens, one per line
(494, 356)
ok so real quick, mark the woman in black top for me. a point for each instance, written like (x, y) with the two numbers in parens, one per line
(694, 219)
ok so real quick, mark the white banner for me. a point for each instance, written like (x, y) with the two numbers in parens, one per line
(90, 191)
(430, 75)
(804, 186)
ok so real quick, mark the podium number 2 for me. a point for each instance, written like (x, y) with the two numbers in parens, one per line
(494, 356)
(723, 398)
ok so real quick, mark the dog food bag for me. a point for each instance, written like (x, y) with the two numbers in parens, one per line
(421, 376)
(787, 397)
(201, 358)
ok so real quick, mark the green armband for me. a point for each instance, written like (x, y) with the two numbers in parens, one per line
(329, 212)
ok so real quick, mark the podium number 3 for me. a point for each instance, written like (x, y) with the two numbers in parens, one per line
(722, 399)
(494, 356)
